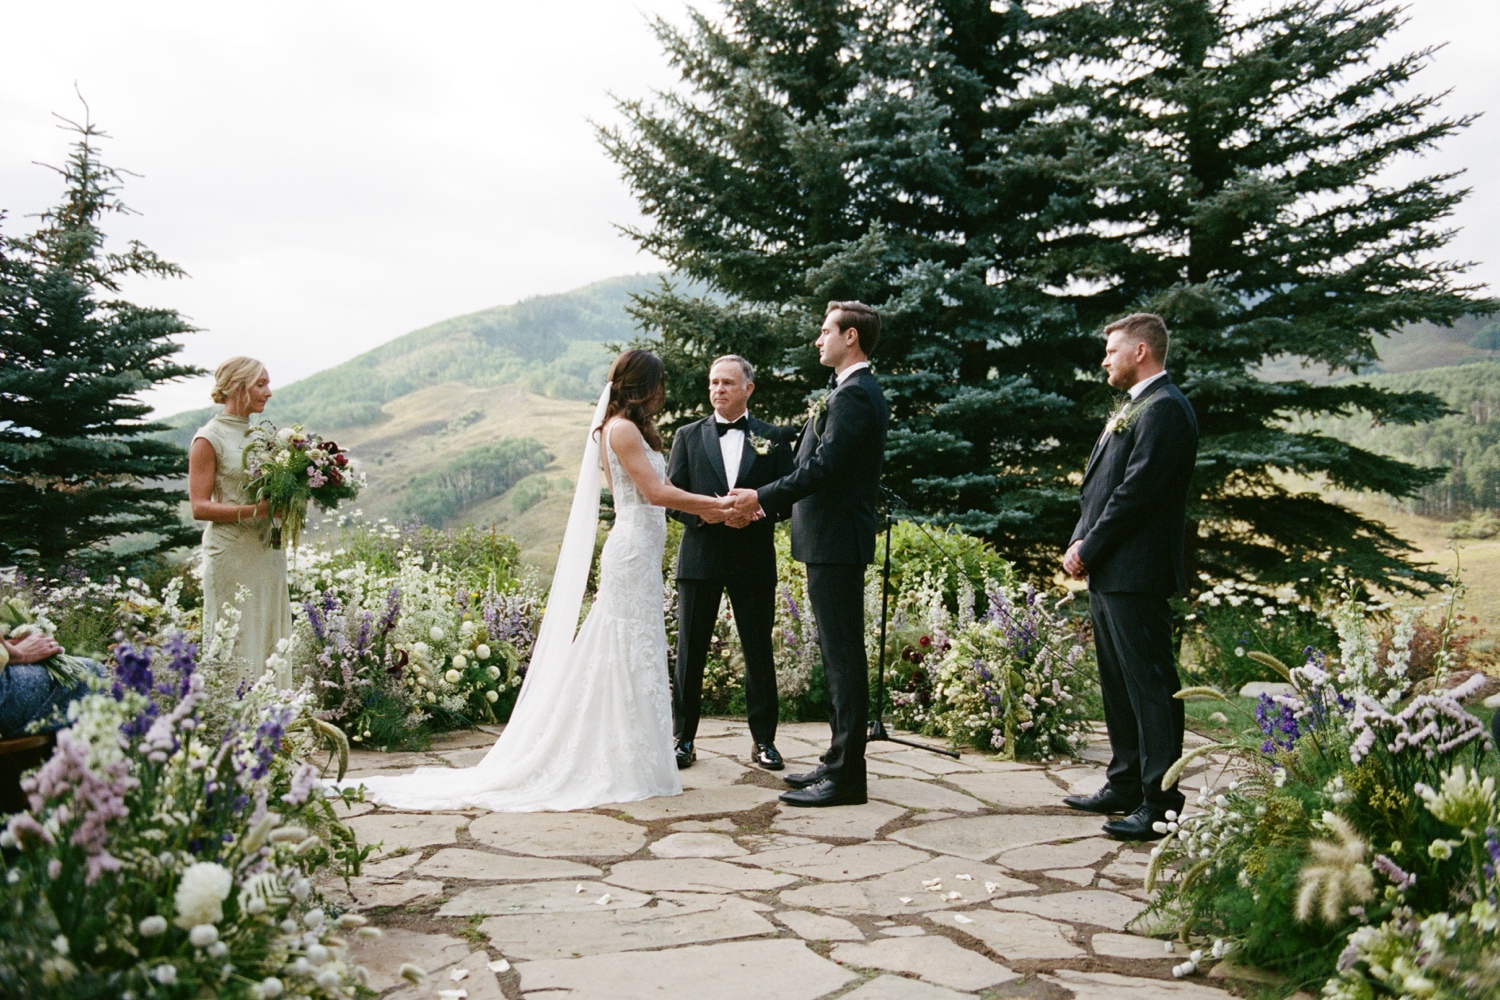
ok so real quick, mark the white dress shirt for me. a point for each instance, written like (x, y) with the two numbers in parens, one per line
(732, 447)
(844, 375)
(1140, 387)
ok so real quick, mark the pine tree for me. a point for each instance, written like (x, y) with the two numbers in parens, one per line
(1237, 154)
(80, 469)
(1001, 179)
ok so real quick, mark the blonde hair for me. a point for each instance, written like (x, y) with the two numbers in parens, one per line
(235, 377)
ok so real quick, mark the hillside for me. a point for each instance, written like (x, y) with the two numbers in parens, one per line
(424, 401)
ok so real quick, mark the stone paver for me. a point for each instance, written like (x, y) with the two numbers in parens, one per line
(738, 970)
(1015, 936)
(465, 863)
(935, 959)
(694, 875)
(952, 871)
(697, 845)
(399, 832)
(819, 926)
(1129, 946)
(700, 802)
(914, 794)
(569, 935)
(541, 897)
(838, 864)
(845, 822)
(1085, 906)
(983, 837)
(559, 835)
(1011, 790)
(901, 988)
(1110, 986)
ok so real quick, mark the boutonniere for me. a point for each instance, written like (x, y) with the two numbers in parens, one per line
(1119, 419)
(761, 445)
(817, 404)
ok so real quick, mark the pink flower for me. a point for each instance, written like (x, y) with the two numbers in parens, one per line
(315, 477)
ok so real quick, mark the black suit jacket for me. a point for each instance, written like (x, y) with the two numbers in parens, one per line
(1135, 493)
(833, 493)
(717, 551)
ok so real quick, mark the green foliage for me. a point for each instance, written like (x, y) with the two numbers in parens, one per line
(1487, 339)
(1463, 446)
(529, 492)
(79, 462)
(476, 475)
(1229, 620)
(480, 557)
(1000, 183)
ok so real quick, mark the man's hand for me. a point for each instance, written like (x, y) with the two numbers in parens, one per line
(717, 516)
(1072, 564)
(747, 503)
(738, 520)
(33, 648)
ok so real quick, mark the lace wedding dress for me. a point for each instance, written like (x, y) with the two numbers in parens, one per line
(593, 723)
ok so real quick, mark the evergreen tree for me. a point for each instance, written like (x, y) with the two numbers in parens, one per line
(79, 465)
(1001, 180)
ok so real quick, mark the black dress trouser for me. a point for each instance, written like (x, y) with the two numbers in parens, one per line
(754, 605)
(837, 594)
(1138, 677)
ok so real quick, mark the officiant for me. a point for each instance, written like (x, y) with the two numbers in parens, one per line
(726, 449)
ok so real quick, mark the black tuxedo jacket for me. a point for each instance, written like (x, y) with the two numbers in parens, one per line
(717, 551)
(1135, 494)
(834, 491)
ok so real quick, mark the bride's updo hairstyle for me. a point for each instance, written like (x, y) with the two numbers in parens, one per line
(233, 379)
(637, 392)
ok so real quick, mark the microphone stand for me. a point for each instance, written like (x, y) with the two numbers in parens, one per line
(878, 733)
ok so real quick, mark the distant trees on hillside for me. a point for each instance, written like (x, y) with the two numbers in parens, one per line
(1465, 444)
(80, 466)
(480, 473)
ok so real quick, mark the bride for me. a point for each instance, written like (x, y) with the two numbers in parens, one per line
(593, 722)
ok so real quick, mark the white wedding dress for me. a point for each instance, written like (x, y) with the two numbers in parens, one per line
(593, 723)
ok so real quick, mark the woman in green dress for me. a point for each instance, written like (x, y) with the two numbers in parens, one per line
(237, 552)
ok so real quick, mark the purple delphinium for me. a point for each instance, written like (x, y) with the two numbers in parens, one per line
(1492, 849)
(1278, 722)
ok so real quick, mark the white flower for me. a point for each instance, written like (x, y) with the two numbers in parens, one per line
(270, 987)
(482, 651)
(152, 926)
(1442, 850)
(452, 676)
(460, 662)
(492, 696)
(493, 672)
(165, 974)
(435, 633)
(285, 434)
(203, 935)
(201, 893)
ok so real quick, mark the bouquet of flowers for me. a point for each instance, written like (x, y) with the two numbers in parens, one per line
(19, 619)
(289, 467)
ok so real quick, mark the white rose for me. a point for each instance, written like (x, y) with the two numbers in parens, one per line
(285, 434)
(491, 696)
(468, 627)
(419, 648)
(435, 634)
(452, 676)
(165, 974)
(482, 651)
(460, 661)
(271, 987)
(203, 935)
(152, 926)
(201, 893)
(494, 672)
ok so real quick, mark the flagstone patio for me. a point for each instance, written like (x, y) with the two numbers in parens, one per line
(959, 879)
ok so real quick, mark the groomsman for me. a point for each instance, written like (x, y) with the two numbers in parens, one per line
(1129, 545)
(727, 449)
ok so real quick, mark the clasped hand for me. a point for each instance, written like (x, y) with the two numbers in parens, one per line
(738, 509)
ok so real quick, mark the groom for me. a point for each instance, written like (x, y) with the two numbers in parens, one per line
(725, 449)
(831, 496)
(1129, 545)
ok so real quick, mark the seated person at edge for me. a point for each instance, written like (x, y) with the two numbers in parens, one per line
(28, 692)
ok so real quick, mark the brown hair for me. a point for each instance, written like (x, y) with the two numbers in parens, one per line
(864, 320)
(637, 391)
(1147, 328)
(234, 378)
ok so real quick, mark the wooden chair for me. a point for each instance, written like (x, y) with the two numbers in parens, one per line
(17, 756)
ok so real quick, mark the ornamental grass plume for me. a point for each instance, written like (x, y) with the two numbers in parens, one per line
(1337, 877)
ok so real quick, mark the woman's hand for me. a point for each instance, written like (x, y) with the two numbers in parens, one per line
(33, 648)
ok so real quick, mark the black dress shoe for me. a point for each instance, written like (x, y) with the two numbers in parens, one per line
(767, 756)
(826, 792)
(812, 777)
(1139, 825)
(1106, 801)
(685, 753)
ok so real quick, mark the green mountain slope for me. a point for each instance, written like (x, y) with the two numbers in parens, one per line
(431, 400)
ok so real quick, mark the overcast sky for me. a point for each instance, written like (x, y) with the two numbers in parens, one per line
(335, 174)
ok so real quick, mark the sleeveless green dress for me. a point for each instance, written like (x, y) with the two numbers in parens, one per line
(239, 555)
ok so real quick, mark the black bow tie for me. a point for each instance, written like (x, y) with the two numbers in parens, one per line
(833, 381)
(742, 424)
